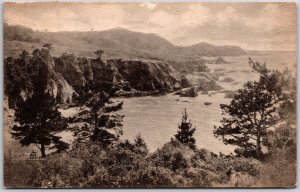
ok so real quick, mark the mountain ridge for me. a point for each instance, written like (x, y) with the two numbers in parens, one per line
(119, 43)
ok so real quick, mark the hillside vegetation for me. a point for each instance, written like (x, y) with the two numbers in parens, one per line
(117, 43)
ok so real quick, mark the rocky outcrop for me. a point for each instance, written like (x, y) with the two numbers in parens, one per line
(105, 72)
(188, 92)
(203, 83)
(59, 88)
(65, 92)
(113, 106)
(85, 66)
(125, 77)
(199, 81)
(68, 66)
(144, 75)
(205, 75)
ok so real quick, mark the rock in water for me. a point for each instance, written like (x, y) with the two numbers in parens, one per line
(207, 103)
(112, 107)
(203, 83)
(188, 92)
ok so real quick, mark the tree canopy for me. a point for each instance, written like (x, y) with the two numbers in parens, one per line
(38, 118)
(186, 131)
(251, 112)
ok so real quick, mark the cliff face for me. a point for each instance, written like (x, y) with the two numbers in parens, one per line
(64, 90)
(58, 87)
(124, 75)
(105, 72)
(146, 75)
(68, 66)
(69, 75)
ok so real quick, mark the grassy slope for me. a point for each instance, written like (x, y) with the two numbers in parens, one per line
(117, 43)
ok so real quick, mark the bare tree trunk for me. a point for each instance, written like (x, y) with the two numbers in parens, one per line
(258, 146)
(43, 150)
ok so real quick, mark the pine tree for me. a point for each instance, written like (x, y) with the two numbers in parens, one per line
(252, 111)
(186, 132)
(38, 118)
(140, 144)
(139, 141)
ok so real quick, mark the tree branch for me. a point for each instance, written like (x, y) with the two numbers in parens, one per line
(37, 146)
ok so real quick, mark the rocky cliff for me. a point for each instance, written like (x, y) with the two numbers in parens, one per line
(69, 75)
(146, 75)
(58, 86)
(126, 77)
(133, 76)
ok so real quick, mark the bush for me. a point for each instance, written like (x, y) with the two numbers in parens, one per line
(89, 165)
(279, 168)
(173, 155)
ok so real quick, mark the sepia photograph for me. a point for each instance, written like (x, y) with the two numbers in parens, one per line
(149, 95)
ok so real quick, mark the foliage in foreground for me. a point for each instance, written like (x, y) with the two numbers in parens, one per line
(130, 165)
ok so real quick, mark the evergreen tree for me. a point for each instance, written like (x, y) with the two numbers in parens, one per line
(100, 132)
(186, 132)
(141, 145)
(17, 77)
(99, 120)
(38, 118)
(95, 96)
(139, 141)
(252, 111)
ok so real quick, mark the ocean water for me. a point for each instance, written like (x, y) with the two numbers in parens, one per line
(157, 118)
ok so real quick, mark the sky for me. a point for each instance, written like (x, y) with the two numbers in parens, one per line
(252, 26)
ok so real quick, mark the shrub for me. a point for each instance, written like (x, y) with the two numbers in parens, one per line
(186, 131)
(173, 155)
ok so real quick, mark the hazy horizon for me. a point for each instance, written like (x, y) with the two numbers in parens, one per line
(251, 26)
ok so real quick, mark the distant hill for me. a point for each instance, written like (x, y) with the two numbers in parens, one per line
(116, 42)
(205, 49)
(19, 33)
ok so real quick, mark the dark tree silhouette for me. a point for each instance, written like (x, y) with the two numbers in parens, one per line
(38, 118)
(100, 132)
(99, 53)
(252, 111)
(98, 120)
(186, 132)
(17, 72)
(139, 141)
(140, 144)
